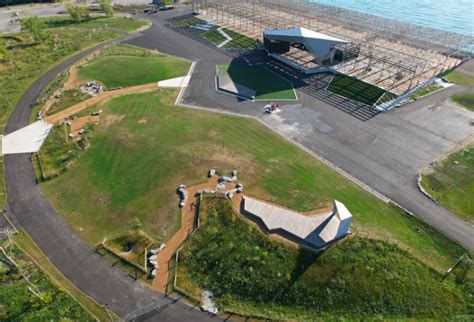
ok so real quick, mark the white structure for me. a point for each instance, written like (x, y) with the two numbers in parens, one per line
(338, 225)
(321, 46)
(315, 231)
(26, 140)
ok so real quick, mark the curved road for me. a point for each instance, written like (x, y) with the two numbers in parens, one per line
(72, 256)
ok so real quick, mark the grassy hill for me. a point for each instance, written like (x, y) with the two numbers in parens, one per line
(145, 147)
(357, 279)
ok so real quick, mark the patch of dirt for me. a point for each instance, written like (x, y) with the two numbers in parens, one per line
(142, 121)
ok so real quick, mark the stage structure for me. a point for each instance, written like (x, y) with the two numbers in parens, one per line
(398, 57)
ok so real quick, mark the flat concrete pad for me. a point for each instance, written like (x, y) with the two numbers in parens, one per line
(175, 82)
(225, 83)
(26, 140)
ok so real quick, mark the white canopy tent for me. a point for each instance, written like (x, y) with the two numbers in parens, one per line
(318, 44)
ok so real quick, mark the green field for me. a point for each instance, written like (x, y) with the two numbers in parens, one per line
(268, 86)
(238, 40)
(123, 71)
(355, 89)
(119, 23)
(465, 100)
(459, 78)
(28, 61)
(452, 183)
(145, 147)
(49, 302)
(359, 279)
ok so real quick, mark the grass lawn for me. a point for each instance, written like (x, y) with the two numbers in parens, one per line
(465, 100)
(459, 78)
(452, 183)
(359, 279)
(28, 245)
(29, 61)
(120, 23)
(124, 71)
(355, 89)
(145, 147)
(17, 301)
(186, 22)
(238, 40)
(268, 85)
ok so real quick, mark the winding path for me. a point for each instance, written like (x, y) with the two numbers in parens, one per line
(72, 256)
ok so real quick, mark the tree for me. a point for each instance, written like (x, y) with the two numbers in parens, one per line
(107, 7)
(36, 27)
(166, 2)
(78, 13)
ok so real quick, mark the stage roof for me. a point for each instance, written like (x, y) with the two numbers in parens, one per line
(317, 43)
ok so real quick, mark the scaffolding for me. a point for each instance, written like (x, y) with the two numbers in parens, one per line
(395, 56)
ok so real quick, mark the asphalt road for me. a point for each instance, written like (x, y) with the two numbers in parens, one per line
(386, 152)
(73, 257)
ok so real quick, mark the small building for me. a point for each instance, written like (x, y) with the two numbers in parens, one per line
(316, 231)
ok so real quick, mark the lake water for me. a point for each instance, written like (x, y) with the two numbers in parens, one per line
(449, 15)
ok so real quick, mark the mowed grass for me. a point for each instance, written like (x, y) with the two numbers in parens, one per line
(355, 89)
(124, 71)
(145, 147)
(459, 78)
(251, 274)
(238, 40)
(452, 183)
(465, 100)
(268, 86)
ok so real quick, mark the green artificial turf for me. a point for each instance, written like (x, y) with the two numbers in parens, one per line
(465, 100)
(124, 71)
(145, 147)
(452, 183)
(355, 89)
(357, 279)
(268, 85)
